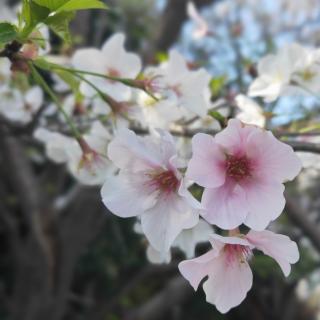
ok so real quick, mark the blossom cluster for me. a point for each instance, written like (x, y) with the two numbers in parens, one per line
(294, 70)
(240, 171)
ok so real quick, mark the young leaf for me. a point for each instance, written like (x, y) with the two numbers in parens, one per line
(32, 14)
(7, 32)
(25, 15)
(38, 13)
(53, 5)
(73, 5)
(70, 5)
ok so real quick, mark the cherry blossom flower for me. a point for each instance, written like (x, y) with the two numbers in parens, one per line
(227, 265)
(86, 159)
(292, 71)
(188, 90)
(243, 170)
(306, 69)
(274, 77)
(18, 106)
(159, 114)
(149, 185)
(251, 112)
(112, 60)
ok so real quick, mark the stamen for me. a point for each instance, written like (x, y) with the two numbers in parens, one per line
(165, 181)
(237, 253)
(238, 167)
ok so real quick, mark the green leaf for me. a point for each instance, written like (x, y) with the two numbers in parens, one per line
(70, 5)
(53, 5)
(25, 16)
(73, 5)
(7, 32)
(32, 14)
(38, 13)
(59, 24)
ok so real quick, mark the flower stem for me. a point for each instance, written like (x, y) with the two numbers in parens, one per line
(134, 83)
(41, 81)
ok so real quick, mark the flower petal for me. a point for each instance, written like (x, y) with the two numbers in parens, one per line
(227, 284)
(163, 222)
(225, 206)
(127, 196)
(195, 270)
(274, 160)
(89, 59)
(206, 164)
(127, 64)
(277, 246)
(265, 203)
(233, 138)
(130, 152)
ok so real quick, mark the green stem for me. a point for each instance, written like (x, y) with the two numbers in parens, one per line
(40, 80)
(93, 86)
(128, 82)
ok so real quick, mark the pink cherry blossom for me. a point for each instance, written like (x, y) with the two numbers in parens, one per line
(227, 267)
(149, 185)
(125, 65)
(243, 170)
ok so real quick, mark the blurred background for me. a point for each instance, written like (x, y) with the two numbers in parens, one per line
(89, 264)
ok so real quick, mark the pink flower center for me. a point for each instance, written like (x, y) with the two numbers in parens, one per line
(238, 168)
(237, 253)
(154, 84)
(165, 181)
(113, 73)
